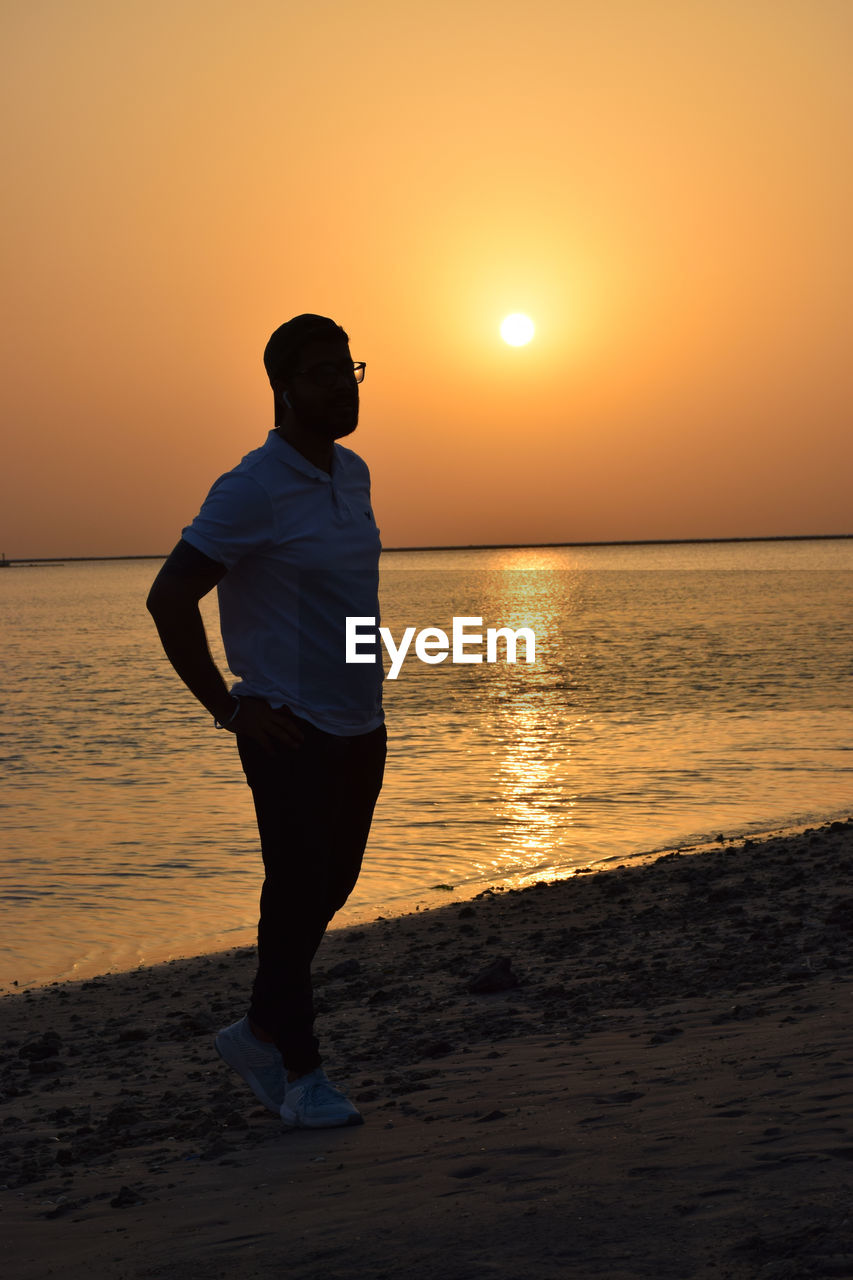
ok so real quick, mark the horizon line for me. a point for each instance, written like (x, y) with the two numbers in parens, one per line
(491, 546)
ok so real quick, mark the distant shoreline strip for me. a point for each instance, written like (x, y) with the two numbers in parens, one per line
(497, 546)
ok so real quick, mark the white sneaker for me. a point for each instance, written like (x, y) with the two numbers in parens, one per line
(311, 1102)
(258, 1063)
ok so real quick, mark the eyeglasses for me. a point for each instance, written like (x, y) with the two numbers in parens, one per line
(325, 375)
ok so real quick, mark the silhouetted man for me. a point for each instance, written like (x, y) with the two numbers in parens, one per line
(289, 538)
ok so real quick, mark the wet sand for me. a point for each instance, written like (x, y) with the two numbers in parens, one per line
(638, 1072)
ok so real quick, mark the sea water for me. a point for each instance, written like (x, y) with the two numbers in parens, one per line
(679, 692)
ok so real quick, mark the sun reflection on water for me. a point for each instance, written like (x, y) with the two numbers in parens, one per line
(535, 799)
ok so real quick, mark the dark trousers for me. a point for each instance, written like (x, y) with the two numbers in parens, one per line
(314, 805)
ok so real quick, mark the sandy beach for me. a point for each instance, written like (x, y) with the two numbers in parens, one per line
(644, 1071)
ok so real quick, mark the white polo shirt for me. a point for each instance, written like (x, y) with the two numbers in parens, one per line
(301, 548)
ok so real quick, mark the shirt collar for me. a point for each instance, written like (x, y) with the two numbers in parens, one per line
(282, 449)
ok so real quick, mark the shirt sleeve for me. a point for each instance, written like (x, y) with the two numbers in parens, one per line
(236, 519)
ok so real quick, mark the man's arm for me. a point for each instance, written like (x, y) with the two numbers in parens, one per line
(184, 579)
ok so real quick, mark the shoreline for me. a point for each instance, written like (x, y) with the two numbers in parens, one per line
(673, 1038)
(26, 561)
(434, 897)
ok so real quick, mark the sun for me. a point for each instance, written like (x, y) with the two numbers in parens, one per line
(517, 329)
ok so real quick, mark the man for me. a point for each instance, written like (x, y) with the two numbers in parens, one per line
(289, 538)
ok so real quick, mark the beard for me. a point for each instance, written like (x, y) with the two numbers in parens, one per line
(331, 421)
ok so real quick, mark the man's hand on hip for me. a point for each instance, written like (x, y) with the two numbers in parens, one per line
(257, 720)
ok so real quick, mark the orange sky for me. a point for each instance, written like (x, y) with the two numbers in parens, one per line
(664, 186)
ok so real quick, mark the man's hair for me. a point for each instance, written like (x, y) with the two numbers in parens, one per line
(281, 354)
